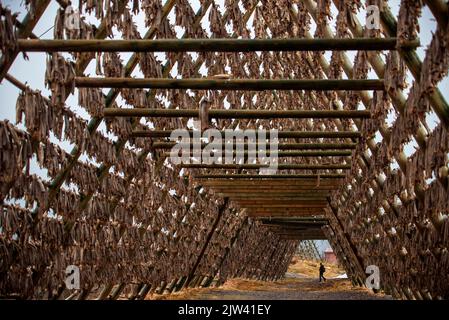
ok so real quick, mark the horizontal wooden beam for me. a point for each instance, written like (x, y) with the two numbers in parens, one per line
(274, 189)
(249, 192)
(301, 238)
(293, 223)
(280, 134)
(236, 113)
(266, 198)
(301, 182)
(212, 45)
(232, 177)
(259, 166)
(303, 233)
(285, 154)
(291, 227)
(281, 145)
(285, 211)
(301, 204)
(312, 230)
(297, 225)
(276, 214)
(301, 229)
(281, 229)
(299, 235)
(316, 230)
(279, 214)
(234, 84)
(292, 219)
(303, 201)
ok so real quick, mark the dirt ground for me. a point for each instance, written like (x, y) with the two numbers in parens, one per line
(300, 283)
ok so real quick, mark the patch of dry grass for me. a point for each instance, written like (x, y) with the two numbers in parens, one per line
(310, 268)
(290, 286)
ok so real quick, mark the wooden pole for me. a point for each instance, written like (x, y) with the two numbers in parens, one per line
(161, 288)
(270, 194)
(281, 146)
(298, 228)
(307, 180)
(278, 214)
(105, 291)
(280, 134)
(180, 283)
(265, 198)
(286, 154)
(206, 243)
(28, 23)
(288, 224)
(285, 212)
(300, 183)
(270, 176)
(236, 113)
(358, 259)
(440, 9)
(301, 238)
(312, 203)
(213, 45)
(143, 292)
(300, 232)
(234, 84)
(227, 250)
(258, 166)
(275, 190)
(116, 292)
(296, 219)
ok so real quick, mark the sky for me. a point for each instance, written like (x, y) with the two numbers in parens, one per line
(32, 71)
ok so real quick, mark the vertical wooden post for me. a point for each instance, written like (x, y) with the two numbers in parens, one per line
(105, 291)
(180, 283)
(116, 292)
(135, 291)
(358, 260)
(170, 286)
(161, 288)
(206, 243)
(143, 292)
(225, 255)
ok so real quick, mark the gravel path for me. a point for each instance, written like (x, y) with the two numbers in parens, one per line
(291, 288)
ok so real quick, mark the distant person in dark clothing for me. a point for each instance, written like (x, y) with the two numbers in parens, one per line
(322, 271)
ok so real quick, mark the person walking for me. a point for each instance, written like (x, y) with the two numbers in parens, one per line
(322, 271)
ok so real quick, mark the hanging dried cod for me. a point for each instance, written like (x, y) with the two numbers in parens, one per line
(59, 78)
(8, 35)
